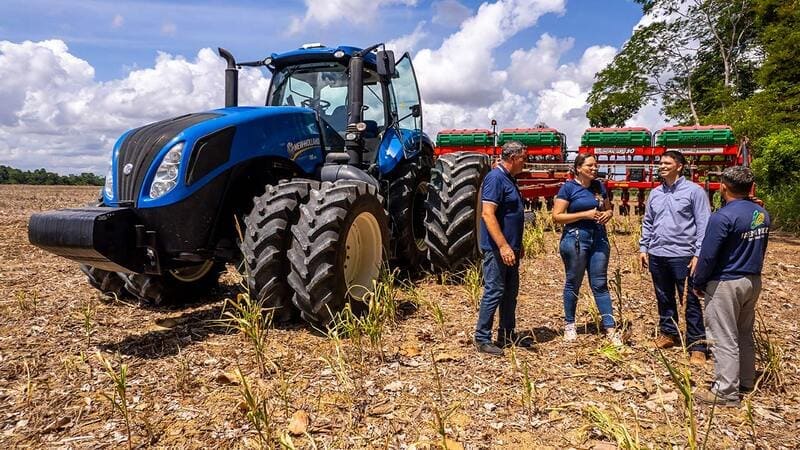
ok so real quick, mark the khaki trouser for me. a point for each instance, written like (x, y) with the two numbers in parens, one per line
(729, 316)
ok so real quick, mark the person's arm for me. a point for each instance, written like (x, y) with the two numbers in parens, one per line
(605, 215)
(647, 231)
(493, 227)
(716, 232)
(701, 208)
(562, 217)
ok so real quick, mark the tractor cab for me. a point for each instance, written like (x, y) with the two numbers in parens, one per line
(366, 102)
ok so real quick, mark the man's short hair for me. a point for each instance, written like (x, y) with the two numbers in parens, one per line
(676, 156)
(511, 149)
(738, 179)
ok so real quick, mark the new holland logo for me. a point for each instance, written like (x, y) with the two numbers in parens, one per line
(295, 149)
(127, 169)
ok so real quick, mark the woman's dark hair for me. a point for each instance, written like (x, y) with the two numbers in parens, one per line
(579, 160)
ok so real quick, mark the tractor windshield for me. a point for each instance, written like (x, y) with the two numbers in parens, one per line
(320, 86)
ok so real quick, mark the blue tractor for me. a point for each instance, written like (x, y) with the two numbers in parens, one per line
(326, 181)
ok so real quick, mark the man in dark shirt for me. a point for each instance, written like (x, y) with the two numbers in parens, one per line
(502, 220)
(728, 271)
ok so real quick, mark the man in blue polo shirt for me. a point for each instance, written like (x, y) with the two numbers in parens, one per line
(502, 222)
(673, 227)
(729, 273)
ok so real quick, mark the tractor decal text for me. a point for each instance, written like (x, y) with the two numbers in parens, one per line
(295, 149)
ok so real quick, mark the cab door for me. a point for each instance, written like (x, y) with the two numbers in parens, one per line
(406, 106)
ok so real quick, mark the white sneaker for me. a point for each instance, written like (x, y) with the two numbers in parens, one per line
(570, 334)
(614, 336)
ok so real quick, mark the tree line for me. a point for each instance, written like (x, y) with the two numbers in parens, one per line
(10, 175)
(733, 62)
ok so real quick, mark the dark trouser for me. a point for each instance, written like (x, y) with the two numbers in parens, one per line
(500, 288)
(669, 275)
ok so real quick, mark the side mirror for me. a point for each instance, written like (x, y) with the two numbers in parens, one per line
(385, 63)
(416, 110)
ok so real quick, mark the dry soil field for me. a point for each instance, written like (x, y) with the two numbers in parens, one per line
(427, 388)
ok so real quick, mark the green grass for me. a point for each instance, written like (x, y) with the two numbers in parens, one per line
(119, 398)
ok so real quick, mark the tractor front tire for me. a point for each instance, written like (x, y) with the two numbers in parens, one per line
(453, 204)
(176, 286)
(337, 249)
(108, 283)
(407, 193)
(267, 237)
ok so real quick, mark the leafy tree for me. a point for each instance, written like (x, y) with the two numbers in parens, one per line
(669, 60)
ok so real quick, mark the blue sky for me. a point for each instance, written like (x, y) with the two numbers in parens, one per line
(99, 67)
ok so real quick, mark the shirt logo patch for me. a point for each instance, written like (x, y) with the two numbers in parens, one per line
(758, 219)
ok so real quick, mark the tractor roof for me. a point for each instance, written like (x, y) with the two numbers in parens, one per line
(318, 53)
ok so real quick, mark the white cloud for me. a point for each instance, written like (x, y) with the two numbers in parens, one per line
(118, 21)
(450, 13)
(536, 68)
(408, 42)
(462, 70)
(326, 12)
(56, 115)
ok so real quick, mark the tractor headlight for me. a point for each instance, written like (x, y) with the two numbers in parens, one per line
(167, 174)
(109, 186)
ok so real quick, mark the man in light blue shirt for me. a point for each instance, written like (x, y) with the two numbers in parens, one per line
(673, 227)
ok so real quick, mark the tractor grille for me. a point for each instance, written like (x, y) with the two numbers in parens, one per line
(141, 147)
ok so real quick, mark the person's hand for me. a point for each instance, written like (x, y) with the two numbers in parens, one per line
(507, 255)
(692, 265)
(643, 259)
(590, 214)
(603, 217)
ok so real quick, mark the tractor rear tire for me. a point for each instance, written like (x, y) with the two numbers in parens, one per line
(337, 249)
(108, 283)
(267, 237)
(407, 193)
(175, 287)
(453, 210)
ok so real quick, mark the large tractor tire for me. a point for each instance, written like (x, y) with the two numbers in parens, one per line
(407, 192)
(338, 246)
(267, 237)
(453, 210)
(108, 283)
(176, 286)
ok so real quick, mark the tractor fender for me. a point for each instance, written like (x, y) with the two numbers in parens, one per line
(335, 172)
(397, 146)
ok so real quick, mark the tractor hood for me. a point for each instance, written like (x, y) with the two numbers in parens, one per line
(212, 142)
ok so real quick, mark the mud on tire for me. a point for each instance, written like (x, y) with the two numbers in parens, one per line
(337, 248)
(453, 209)
(266, 240)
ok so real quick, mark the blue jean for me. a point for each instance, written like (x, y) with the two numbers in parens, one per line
(670, 274)
(586, 251)
(500, 289)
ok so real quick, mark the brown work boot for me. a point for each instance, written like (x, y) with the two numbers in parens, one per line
(703, 395)
(697, 359)
(663, 341)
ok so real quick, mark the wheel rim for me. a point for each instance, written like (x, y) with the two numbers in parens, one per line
(192, 273)
(418, 216)
(363, 254)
